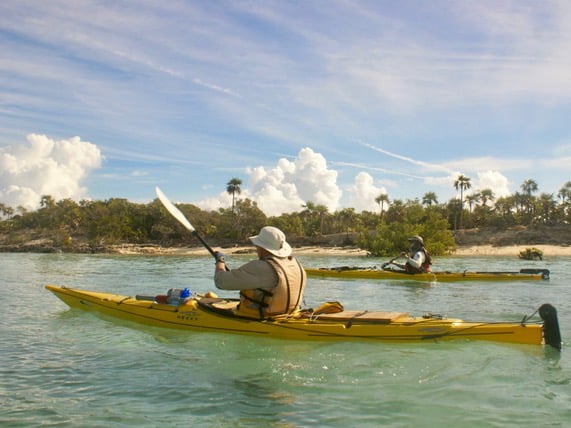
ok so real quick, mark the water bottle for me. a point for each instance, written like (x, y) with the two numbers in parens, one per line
(184, 295)
(173, 296)
(176, 296)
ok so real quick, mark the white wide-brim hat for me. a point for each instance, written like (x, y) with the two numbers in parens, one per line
(273, 240)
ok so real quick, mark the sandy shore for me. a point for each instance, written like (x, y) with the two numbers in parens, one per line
(511, 250)
(477, 250)
(201, 251)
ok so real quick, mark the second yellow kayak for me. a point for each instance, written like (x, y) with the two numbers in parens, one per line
(348, 272)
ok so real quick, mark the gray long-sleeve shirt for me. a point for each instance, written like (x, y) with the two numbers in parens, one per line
(254, 274)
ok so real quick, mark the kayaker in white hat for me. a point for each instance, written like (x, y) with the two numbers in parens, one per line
(418, 260)
(271, 285)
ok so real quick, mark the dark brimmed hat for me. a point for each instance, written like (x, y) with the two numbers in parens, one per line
(417, 238)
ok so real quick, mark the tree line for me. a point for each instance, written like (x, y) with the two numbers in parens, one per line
(115, 221)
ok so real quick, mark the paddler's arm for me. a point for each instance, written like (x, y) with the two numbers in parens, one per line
(220, 262)
(254, 274)
(402, 255)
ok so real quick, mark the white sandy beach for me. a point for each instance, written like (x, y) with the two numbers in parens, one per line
(476, 250)
(511, 250)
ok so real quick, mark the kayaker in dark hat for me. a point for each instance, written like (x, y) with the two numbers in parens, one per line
(418, 260)
(273, 284)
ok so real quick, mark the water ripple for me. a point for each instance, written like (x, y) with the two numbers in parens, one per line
(60, 367)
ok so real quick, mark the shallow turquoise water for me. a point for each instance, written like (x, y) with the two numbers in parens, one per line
(60, 367)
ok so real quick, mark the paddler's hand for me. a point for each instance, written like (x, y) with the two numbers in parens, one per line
(219, 257)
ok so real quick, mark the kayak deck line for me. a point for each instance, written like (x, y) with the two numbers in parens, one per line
(361, 272)
(350, 318)
(217, 315)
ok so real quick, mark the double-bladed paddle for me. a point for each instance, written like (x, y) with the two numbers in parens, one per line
(176, 213)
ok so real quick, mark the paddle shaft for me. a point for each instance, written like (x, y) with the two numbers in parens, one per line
(208, 247)
(203, 242)
(391, 261)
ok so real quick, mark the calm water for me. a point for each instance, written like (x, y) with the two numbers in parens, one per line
(60, 367)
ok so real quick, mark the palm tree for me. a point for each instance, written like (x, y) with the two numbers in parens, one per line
(486, 195)
(565, 195)
(309, 207)
(429, 198)
(528, 187)
(504, 208)
(462, 183)
(381, 199)
(565, 192)
(233, 187)
(347, 218)
(6, 210)
(47, 202)
(308, 217)
(454, 207)
(322, 212)
(547, 204)
(472, 200)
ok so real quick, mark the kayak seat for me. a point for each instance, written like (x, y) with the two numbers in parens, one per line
(226, 307)
(219, 303)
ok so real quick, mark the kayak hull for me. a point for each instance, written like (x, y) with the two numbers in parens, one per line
(214, 315)
(346, 272)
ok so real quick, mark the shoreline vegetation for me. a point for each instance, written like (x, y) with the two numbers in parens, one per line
(506, 242)
(525, 227)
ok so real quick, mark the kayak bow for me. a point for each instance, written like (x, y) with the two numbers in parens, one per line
(217, 315)
(356, 272)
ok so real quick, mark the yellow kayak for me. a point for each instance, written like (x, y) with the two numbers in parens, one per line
(349, 272)
(210, 314)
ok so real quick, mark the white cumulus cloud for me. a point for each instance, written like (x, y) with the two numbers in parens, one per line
(45, 166)
(364, 193)
(493, 180)
(287, 186)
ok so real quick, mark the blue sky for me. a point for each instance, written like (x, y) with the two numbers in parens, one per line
(332, 102)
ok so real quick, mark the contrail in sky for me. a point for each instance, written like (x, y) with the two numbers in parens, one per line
(379, 169)
(410, 160)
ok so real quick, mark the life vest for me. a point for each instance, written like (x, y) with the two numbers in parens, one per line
(284, 298)
(424, 268)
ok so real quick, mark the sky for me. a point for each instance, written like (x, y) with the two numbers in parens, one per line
(331, 102)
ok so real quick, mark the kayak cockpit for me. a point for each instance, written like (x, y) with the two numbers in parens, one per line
(228, 307)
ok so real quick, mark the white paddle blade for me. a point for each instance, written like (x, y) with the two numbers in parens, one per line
(174, 211)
